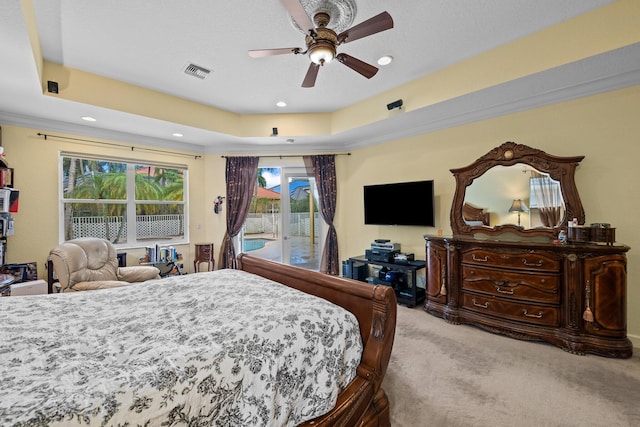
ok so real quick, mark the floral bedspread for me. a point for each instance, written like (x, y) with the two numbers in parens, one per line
(222, 348)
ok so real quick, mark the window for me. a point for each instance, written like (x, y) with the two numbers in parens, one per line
(128, 203)
(544, 192)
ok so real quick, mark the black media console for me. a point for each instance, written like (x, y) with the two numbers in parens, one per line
(405, 283)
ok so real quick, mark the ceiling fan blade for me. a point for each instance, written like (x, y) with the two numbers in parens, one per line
(357, 65)
(297, 12)
(312, 74)
(380, 22)
(260, 53)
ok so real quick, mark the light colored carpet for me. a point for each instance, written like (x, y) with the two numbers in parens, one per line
(458, 376)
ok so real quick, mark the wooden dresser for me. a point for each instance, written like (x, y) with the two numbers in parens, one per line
(528, 280)
(570, 295)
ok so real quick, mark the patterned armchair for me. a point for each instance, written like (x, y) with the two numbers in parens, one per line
(91, 263)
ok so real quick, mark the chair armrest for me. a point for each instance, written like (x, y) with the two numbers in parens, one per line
(140, 273)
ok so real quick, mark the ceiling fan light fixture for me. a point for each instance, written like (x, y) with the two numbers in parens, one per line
(322, 52)
(322, 41)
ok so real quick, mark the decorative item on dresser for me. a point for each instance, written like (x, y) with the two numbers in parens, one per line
(524, 282)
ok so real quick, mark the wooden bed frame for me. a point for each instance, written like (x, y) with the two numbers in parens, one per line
(363, 403)
(472, 213)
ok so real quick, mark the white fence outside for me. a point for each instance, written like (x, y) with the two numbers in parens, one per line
(157, 226)
(299, 225)
(110, 227)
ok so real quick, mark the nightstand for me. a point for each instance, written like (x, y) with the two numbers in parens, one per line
(204, 253)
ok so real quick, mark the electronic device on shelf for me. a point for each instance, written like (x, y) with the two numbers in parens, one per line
(379, 255)
(382, 250)
(401, 258)
(387, 246)
(402, 277)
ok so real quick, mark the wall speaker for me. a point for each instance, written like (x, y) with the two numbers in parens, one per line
(52, 86)
(394, 104)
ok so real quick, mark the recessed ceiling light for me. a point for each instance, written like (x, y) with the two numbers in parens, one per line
(385, 60)
(281, 104)
(177, 134)
(88, 119)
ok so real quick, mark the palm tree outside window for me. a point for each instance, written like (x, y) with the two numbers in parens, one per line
(122, 201)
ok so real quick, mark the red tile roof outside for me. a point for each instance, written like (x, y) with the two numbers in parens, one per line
(267, 194)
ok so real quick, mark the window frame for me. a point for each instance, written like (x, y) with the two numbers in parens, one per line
(130, 202)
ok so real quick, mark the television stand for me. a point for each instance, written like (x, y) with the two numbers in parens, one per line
(407, 291)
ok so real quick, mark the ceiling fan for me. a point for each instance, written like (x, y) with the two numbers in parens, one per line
(322, 41)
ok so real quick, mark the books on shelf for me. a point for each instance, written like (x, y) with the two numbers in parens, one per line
(159, 253)
(9, 198)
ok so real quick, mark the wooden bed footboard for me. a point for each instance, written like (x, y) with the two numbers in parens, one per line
(363, 403)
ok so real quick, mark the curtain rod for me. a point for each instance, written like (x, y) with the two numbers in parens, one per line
(155, 150)
(281, 156)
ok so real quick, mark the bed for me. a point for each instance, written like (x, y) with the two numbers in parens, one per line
(229, 347)
(475, 216)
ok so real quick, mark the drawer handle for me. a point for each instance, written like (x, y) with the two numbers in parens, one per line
(485, 305)
(537, 316)
(537, 264)
(485, 259)
(502, 291)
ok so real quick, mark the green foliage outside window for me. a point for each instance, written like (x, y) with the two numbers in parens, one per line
(98, 189)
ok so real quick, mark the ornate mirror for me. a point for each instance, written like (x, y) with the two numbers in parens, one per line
(515, 191)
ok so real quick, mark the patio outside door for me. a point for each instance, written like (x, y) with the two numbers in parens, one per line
(303, 228)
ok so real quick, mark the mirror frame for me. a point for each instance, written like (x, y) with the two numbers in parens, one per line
(562, 169)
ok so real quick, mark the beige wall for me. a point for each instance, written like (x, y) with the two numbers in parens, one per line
(35, 161)
(604, 128)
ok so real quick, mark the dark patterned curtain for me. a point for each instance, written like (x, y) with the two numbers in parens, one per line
(324, 171)
(241, 174)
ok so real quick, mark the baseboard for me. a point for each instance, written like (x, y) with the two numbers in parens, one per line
(635, 341)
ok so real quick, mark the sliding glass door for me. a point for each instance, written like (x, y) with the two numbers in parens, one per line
(283, 224)
(301, 234)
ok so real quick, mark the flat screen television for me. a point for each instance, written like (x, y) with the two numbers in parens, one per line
(401, 203)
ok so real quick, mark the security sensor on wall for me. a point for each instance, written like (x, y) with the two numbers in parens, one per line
(274, 131)
(395, 104)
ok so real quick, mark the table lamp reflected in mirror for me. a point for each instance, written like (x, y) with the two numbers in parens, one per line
(518, 206)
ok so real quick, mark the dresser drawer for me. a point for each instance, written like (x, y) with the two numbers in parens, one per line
(533, 261)
(533, 287)
(528, 313)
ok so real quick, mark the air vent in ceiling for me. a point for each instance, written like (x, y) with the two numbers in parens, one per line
(196, 71)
